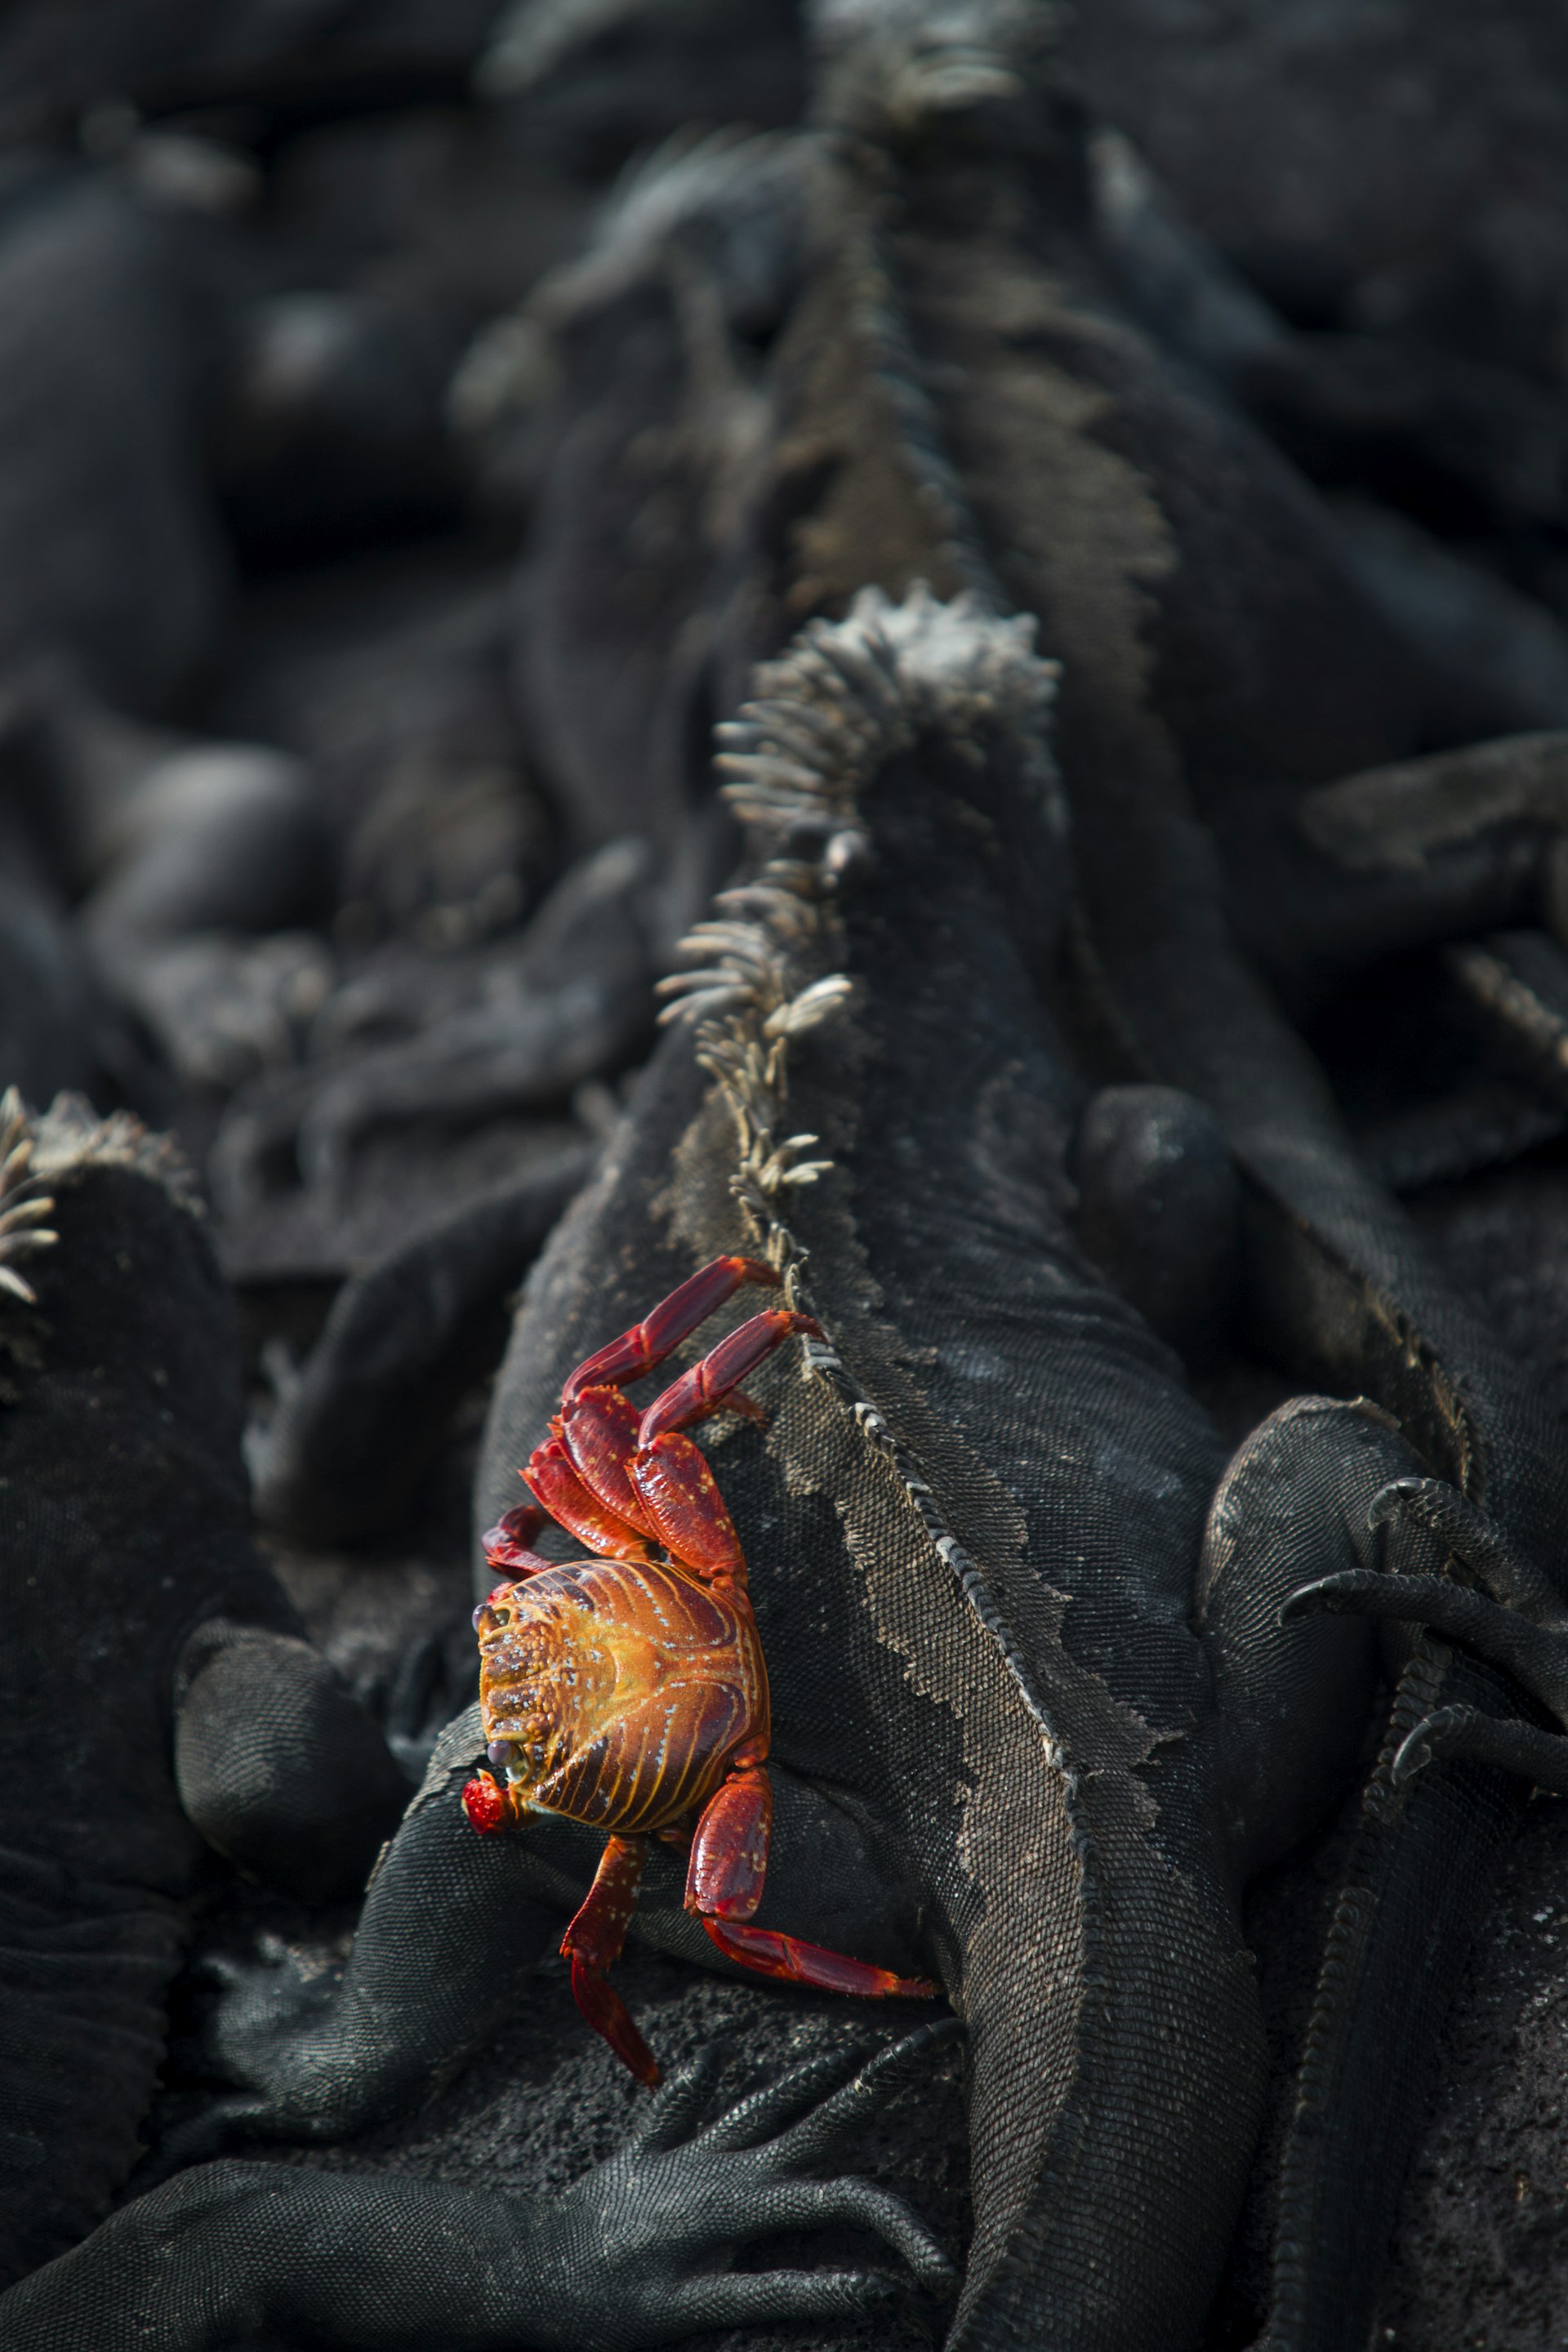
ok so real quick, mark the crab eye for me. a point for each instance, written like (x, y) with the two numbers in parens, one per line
(499, 1753)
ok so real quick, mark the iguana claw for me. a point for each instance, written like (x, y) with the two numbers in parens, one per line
(1514, 1624)
(1466, 1735)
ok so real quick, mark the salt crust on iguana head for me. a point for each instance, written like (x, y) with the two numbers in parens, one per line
(40, 1148)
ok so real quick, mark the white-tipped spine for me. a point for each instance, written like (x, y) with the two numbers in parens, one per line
(23, 1207)
(845, 698)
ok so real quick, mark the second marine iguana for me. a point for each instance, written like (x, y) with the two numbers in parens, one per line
(159, 1696)
(1175, 572)
(1034, 1718)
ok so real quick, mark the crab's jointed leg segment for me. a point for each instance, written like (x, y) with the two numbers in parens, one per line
(678, 1491)
(600, 1427)
(724, 1886)
(592, 1943)
(554, 1477)
(712, 1384)
(681, 1498)
(773, 1954)
(728, 1863)
(647, 1343)
(582, 1473)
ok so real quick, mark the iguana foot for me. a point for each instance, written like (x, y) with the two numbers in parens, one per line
(261, 2005)
(638, 2251)
(1510, 1616)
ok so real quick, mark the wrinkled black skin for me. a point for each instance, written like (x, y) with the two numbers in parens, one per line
(1232, 645)
(155, 1677)
(1241, 633)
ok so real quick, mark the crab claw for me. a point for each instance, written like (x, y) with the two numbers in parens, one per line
(508, 1544)
(484, 1801)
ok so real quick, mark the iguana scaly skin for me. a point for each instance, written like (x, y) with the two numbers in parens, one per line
(157, 1688)
(1208, 656)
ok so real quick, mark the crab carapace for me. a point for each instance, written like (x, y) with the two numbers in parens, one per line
(628, 1691)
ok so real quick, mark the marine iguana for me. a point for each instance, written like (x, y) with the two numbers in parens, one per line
(1034, 1715)
(158, 1693)
(1176, 572)
(630, 2254)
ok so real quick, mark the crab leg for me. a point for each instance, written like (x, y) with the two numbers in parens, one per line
(599, 1507)
(645, 1347)
(580, 1474)
(711, 1383)
(724, 1884)
(592, 1943)
(678, 1494)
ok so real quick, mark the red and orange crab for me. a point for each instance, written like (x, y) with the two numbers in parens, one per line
(628, 1691)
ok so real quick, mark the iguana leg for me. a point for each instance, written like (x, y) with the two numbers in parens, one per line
(1292, 1713)
(1407, 855)
(1517, 983)
(1404, 815)
(359, 1426)
(636, 2252)
(453, 1928)
(278, 1765)
(1512, 1617)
